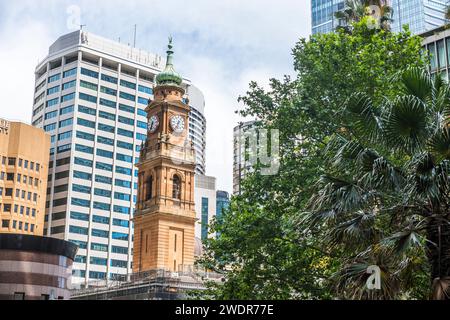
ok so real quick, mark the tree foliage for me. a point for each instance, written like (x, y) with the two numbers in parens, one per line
(265, 249)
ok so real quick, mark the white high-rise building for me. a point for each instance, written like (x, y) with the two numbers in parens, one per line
(90, 97)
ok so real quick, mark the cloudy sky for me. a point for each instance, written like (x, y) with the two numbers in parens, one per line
(220, 45)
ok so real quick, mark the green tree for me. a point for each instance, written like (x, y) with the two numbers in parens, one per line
(385, 199)
(264, 249)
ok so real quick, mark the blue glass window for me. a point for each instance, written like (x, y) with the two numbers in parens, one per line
(53, 102)
(81, 189)
(121, 223)
(103, 166)
(143, 101)
(95, 260)
(89, 73)
(123, 157)
(99, 247)
(107, 103)
(81, 202)
(104, 153)
(121, 209)
(66, 110)
(103, 179)
(109, 91)
(118, 263)
(68, 97)
(82, 175)
(87, 110)
(125, 133)
(70, 73)
(100, 219)
(50, 127)
(85, 136)
(125, 145)
(78, 230)
(123, 170)
(119, 250)
(142, 113)
(87, 97)
(120, 236)
(79, 216)
(53, 90)
(122, 196)
(142, 124)
(84, 149)
(123, 183)
(54, 78)
(107, 141)
(127, 96)
(66, 123)
(109, 79)
(69, 85)
(50, 115)
(65, 135)
(88, 85)
(102, 192)
(102, 206)
(64, 148)
(126, 120)
(97, 274)
(106, 128)
(128, 84)
(140, 136)
(83, 162)
(145, 89)
(126, 108)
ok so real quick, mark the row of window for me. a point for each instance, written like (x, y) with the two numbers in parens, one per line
(101, 262)
(25, 164)
(22, 194)
(18, 225)
(20, 178)
(98, 233)
(22, 210)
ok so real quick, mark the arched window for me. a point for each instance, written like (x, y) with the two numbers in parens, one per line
(149, 193)
(176, 191)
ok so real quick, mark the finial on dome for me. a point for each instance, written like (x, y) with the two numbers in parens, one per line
(169, 76)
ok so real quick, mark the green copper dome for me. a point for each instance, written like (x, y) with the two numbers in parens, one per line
(169, 76)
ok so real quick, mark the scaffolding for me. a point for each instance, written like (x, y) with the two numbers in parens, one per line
(149, 285)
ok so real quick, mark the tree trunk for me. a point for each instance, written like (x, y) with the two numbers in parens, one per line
(438, 253)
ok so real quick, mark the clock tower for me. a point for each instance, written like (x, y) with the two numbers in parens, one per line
(164, 220)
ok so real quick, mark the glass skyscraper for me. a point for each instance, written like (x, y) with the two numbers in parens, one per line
(420, 15)
(323, 20)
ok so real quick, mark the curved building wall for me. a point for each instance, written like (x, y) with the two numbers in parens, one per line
(197, 127)
(35, 268)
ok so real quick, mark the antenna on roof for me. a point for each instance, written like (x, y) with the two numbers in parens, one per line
(135, 30)
(81, 26)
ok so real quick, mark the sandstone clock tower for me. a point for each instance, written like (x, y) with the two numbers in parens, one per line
(164, 221)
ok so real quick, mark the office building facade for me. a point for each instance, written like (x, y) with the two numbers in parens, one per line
(436, 42)
(419, 15)
(24, 161)
(205, 205)
(91, 95)
(241, 163)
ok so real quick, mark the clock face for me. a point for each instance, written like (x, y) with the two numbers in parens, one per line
(153, 124)
(177, 124)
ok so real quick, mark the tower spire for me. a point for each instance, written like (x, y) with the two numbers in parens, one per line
(169, 76)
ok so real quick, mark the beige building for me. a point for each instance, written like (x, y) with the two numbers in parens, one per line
(24, 158)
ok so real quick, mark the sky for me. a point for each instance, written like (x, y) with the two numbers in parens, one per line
(219, 45)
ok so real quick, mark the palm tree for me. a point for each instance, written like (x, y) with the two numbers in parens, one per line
(355, 10)
(386, 198)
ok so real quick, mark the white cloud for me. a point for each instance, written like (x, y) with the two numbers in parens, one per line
(220, 45)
